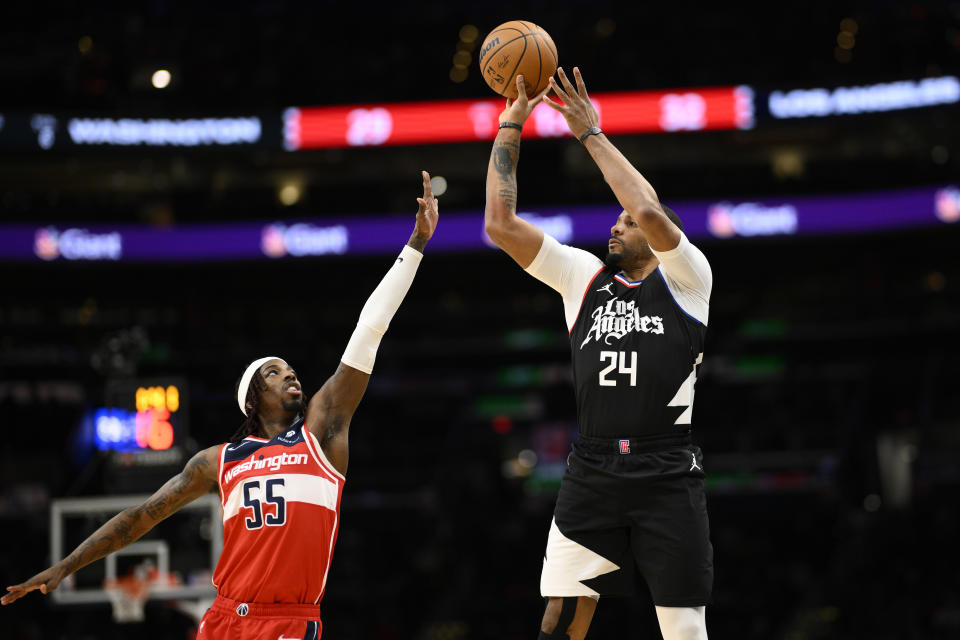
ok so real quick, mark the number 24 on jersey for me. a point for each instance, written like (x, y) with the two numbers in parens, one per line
(618, 361)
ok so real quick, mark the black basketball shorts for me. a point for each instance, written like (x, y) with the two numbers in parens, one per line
(620, 514)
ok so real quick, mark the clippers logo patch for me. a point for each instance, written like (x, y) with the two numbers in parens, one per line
(624, 446)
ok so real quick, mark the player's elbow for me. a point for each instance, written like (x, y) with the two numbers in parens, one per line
(646, 212)
(649, 215)
(497, 228)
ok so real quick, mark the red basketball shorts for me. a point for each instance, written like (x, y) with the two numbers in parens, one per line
(230, 619)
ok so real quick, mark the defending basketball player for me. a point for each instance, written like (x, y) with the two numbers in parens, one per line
(632, 499)
(280, 480)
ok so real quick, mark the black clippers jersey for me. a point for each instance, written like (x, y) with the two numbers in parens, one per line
(635, 353)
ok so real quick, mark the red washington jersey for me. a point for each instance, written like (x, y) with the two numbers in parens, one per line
(281, 508)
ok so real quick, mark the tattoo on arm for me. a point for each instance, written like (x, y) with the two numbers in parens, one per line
(417, 242)
(131, 523)
(171, 497)
(112, 536)
(505, 157)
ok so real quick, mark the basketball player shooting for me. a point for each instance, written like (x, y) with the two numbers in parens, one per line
(631, 499)
(280, 480)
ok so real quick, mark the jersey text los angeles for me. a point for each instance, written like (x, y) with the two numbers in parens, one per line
(635, 353)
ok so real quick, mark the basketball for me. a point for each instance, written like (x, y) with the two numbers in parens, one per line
(517, 48)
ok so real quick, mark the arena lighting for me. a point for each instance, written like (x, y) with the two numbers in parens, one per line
(873, 98)
(468, 120)
(463, 231)
(439, 185)
(290, 193)
(160, 79)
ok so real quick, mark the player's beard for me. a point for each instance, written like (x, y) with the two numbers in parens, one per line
(294, 404)
(627, 258)
(613, 260)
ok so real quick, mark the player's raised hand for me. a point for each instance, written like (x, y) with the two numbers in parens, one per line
(576, 109)
(428, 213)
(46, 581)
(519, 109)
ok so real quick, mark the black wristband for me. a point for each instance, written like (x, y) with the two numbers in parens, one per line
(592, 131)
(510, 125)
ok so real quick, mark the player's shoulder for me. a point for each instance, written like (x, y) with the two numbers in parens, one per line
(210, 453)
(556, 250)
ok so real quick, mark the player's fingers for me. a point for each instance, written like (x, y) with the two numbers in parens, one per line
(557, 90)
(427, 186)
(539, 97)
(521, 91)
(553, 104)
(566, 83)
(581, 87)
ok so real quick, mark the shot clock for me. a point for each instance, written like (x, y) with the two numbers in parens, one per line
(142, 415)
(141, 432)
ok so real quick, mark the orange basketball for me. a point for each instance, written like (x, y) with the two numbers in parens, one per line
(517, 48)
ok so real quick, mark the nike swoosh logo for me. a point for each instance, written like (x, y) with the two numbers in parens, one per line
(283, 637)
(399, 260)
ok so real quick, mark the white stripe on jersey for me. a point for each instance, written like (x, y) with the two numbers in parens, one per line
(296, 487)
(317, 452)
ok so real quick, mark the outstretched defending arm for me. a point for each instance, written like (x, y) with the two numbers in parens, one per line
(632, 190)
(520, 239)
(331, 409)
(197, 478)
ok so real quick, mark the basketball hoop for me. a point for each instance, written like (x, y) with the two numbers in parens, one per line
(129, 593)
(127, 596)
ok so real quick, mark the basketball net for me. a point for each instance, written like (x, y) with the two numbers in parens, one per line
(127, 597)
(128, 594)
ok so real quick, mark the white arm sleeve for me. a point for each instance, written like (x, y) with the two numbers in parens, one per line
(688, 276)
(376, 314)
(567, 270)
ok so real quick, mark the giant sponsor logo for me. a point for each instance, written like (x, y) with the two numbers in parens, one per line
(274, 463)
(617, 318)
(303, 239)
(50, 243)
(726, 219)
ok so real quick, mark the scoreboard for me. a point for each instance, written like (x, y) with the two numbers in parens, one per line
(142, 432)
(142, 415)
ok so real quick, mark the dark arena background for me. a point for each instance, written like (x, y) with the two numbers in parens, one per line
(185, 187)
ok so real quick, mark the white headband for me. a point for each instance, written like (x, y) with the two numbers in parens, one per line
(245, 380)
